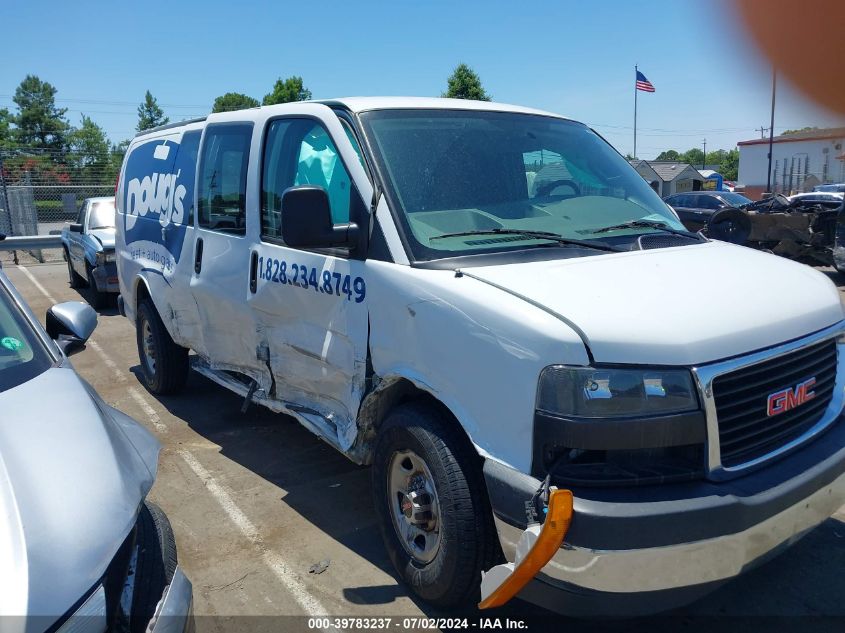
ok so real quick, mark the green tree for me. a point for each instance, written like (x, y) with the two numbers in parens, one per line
(286, 91)
(89, 150)
(116, 154)
(465, 84)
(6, 132)
(150, 114)
(234, 101)
(694, 157)
(668, 154)
(39, 124)
(729, 165)
(809, 128)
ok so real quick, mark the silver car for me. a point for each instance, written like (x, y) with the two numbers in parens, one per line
(80, 547)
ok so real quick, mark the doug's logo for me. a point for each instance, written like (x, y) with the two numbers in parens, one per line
(789, 398)
(157, 199)
(159, 194)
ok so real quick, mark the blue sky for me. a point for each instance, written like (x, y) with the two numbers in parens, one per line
(574, 58)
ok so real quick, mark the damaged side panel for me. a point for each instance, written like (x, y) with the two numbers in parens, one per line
(453, 337)
(315, 338)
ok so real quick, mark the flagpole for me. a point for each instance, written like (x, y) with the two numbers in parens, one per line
(635, 110)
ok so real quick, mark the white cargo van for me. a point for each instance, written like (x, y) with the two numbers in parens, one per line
(487, 303)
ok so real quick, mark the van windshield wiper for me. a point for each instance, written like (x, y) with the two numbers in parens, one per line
(647, 224)
(540, 235)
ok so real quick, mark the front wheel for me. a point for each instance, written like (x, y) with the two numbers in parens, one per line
(76, 280)
(96, 298)
(430, 498)
(164, 364)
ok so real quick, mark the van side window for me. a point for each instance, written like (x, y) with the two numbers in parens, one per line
(189, 149)
(222, 178)
(301, 152)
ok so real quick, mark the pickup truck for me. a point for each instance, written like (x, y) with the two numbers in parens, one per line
(489, 306)
(88, 245)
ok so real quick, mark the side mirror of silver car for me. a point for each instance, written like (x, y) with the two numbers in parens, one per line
(70, 324)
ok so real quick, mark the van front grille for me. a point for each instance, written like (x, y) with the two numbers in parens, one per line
(747, 431)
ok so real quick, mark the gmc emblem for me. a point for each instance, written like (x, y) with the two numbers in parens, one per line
(787, 399)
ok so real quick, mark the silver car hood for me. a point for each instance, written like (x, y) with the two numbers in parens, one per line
(104, 236)
(73, 473)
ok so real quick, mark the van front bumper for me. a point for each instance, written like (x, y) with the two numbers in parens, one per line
(642, 550)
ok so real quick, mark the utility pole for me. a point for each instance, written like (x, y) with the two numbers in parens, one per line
(771, 131)
(763, 131)
(704, 158)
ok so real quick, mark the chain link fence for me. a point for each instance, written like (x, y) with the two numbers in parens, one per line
(41, 191)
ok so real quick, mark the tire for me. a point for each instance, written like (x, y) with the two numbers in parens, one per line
(76, 281)
(462, 528)
(729, 225)
(164, 364)
(96, 298)
(155, 564)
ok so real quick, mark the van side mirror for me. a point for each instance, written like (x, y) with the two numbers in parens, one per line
(307, 220)
(71, 324)
(75, 227)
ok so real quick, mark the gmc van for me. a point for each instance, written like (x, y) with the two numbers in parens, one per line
(488, 305)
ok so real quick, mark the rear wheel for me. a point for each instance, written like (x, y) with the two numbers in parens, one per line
(76, 280)
(164, 364)
(155, 564)
(431, 501)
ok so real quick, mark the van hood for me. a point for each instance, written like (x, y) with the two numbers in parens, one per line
(104, 237)
(73, 473)
(686, 305)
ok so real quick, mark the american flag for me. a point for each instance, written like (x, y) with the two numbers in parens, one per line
(643, 83)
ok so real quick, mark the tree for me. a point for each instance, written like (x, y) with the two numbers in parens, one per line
(669, 154)
(150, 114)
(809, 128)
(729, 165)
(694, 157)
(6, 120)
(465, 84)
(234, 101)
(39, 124)
(291, 89)
(90, 150)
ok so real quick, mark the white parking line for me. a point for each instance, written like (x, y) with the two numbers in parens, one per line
(311, 605)
(108, 362)
(36, 283)
(148, 410)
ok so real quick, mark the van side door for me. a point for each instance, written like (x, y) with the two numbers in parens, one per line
(310, 306)
(221, 254)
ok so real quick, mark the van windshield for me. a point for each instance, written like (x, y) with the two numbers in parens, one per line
(494, 174)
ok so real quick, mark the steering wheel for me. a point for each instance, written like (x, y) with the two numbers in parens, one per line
(546, 188)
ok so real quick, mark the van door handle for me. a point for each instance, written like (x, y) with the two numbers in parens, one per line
(198, 256)
(253, 270)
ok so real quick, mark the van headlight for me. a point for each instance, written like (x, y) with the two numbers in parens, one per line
(598, 392)
(105, 257)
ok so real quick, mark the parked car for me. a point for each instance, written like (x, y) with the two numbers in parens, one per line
(89, 250)
(696, 208)
(831, 198)
(82, 550)
(838, 187)
(496, 346)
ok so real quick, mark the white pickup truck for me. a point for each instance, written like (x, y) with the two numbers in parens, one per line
(492, 308)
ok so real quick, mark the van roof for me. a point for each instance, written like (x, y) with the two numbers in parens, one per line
(364, 104)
